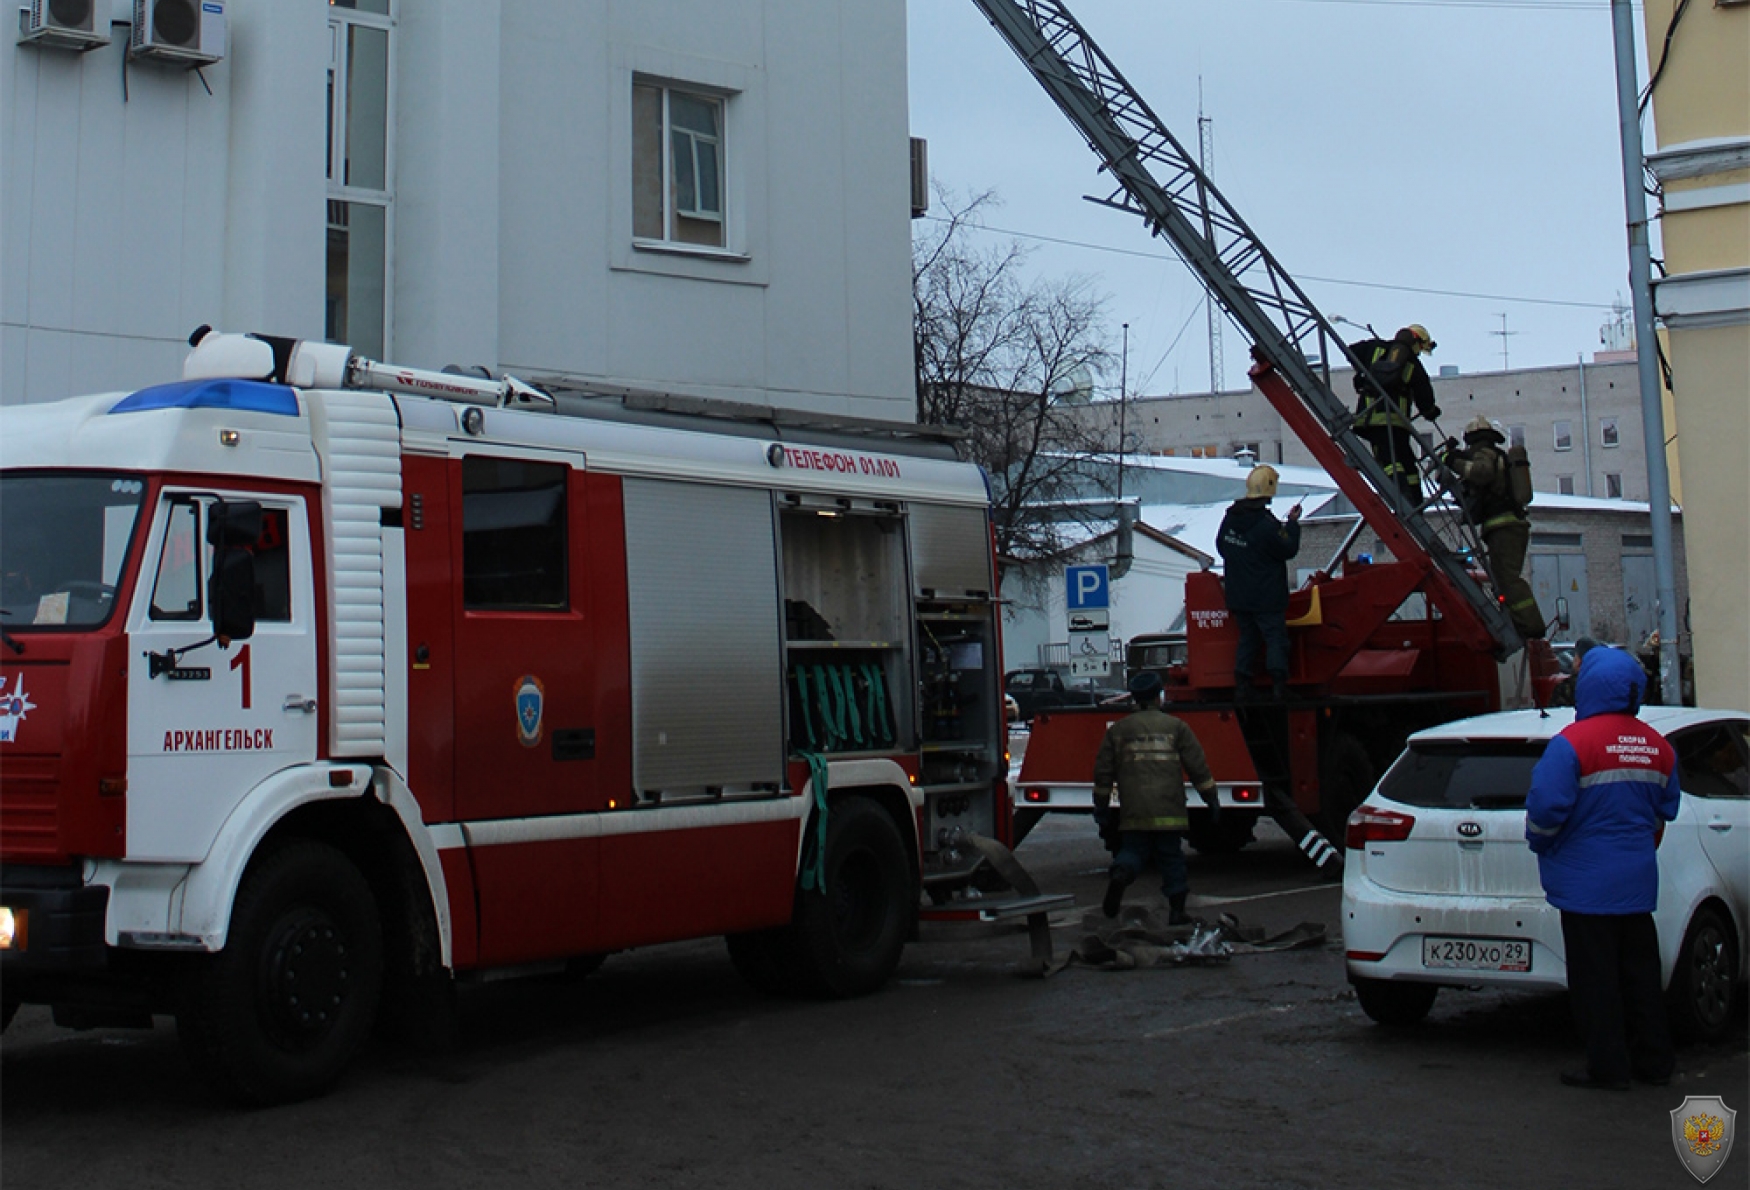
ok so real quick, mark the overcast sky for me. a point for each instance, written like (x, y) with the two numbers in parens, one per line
(1434, 161)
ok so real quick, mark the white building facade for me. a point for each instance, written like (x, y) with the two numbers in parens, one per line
(701, 197)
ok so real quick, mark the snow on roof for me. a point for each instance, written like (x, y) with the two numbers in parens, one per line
(1237, 469)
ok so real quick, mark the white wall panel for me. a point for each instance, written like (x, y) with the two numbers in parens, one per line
(128, 222)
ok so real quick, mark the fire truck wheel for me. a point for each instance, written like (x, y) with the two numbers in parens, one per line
(280, 1012)
(852, 935)
(1345, 779)
(1398, 1004)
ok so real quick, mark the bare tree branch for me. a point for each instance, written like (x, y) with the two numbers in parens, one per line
(1006, 358)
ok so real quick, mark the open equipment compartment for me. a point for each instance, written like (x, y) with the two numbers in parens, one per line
(845, 630)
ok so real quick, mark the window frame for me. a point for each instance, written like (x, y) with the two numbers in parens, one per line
(1613, 480)
(1515, 435)
(1562, 436)
(671, 209)
(1684, 742)
(1564, 485)
(566, 579)
(747, 171)
(1609, 433)
(339, 189)
(195, 613)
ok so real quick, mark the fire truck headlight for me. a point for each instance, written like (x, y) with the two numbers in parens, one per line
(11, 928)
(229, 437)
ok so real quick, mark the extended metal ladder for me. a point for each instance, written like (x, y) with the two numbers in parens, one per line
(1157, 179)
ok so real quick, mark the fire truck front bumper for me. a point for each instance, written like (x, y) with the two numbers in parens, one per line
(51, 922)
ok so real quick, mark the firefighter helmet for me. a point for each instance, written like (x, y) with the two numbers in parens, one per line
(1480, 426)
(1419, 337)
(1261, 482)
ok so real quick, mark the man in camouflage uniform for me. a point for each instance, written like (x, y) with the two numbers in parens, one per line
(1147, 757)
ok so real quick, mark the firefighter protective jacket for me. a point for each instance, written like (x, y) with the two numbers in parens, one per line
(1488, 488)
(1601, 792)
(1406, 385)
(1255, 548)
(1148, 756)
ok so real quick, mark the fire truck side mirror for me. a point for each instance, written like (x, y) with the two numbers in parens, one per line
(232, 528)
(1562, 620)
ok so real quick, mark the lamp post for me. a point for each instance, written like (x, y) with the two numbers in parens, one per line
(1646, 349)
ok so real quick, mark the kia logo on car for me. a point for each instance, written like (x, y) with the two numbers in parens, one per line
(1470, 830)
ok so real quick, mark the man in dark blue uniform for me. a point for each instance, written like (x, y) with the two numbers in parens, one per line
(1256, 547)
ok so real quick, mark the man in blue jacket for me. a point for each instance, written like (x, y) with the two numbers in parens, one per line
(1255, 549)
(1599, 800)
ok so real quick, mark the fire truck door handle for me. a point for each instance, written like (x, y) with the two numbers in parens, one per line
(297, 702)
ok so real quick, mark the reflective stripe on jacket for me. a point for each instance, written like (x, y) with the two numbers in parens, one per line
(1148, 757)
(1599, 795)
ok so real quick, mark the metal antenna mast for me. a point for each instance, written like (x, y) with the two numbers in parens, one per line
(1506, 364)
(1206, 158)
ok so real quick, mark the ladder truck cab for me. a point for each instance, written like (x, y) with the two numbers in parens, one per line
(324, 681)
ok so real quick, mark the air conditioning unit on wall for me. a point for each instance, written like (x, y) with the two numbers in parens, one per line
(65, 24)
(191, 32)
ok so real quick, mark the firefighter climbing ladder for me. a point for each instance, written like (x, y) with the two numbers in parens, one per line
(1292, 342)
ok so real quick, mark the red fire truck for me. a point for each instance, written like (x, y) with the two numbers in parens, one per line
(323, 681)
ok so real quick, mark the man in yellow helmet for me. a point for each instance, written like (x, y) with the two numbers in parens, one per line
(1255, 549)
(1395, 365)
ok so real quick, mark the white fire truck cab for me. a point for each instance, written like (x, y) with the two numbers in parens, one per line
(325, 681)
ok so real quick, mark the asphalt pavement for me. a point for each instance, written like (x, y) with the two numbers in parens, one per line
(664, 1070)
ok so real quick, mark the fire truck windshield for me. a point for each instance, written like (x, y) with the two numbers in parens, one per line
(64, 539)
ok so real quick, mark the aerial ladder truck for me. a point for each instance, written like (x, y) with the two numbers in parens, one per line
(1364, 670)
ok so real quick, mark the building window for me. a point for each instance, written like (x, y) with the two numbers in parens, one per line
(677, 166)
(1515, 435)
(360, 174)
(1607, 432)
(1565, 485)
(513, 535)
(1613, 486)
(1564, 435)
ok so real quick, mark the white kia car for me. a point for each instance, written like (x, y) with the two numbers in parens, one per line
(1441, 890)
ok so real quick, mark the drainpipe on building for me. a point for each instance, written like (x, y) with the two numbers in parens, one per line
(1640, 273)
(1585, 425)
(1124, 539)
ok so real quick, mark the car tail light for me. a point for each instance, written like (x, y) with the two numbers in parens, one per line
(1036, 795)
(1370, 824)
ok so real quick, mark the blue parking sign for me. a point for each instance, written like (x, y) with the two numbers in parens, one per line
(1087, 587)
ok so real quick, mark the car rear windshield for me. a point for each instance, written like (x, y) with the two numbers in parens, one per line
(1466, 775)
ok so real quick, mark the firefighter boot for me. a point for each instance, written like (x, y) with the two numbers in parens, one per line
(1115, 887)
(1176, 915)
